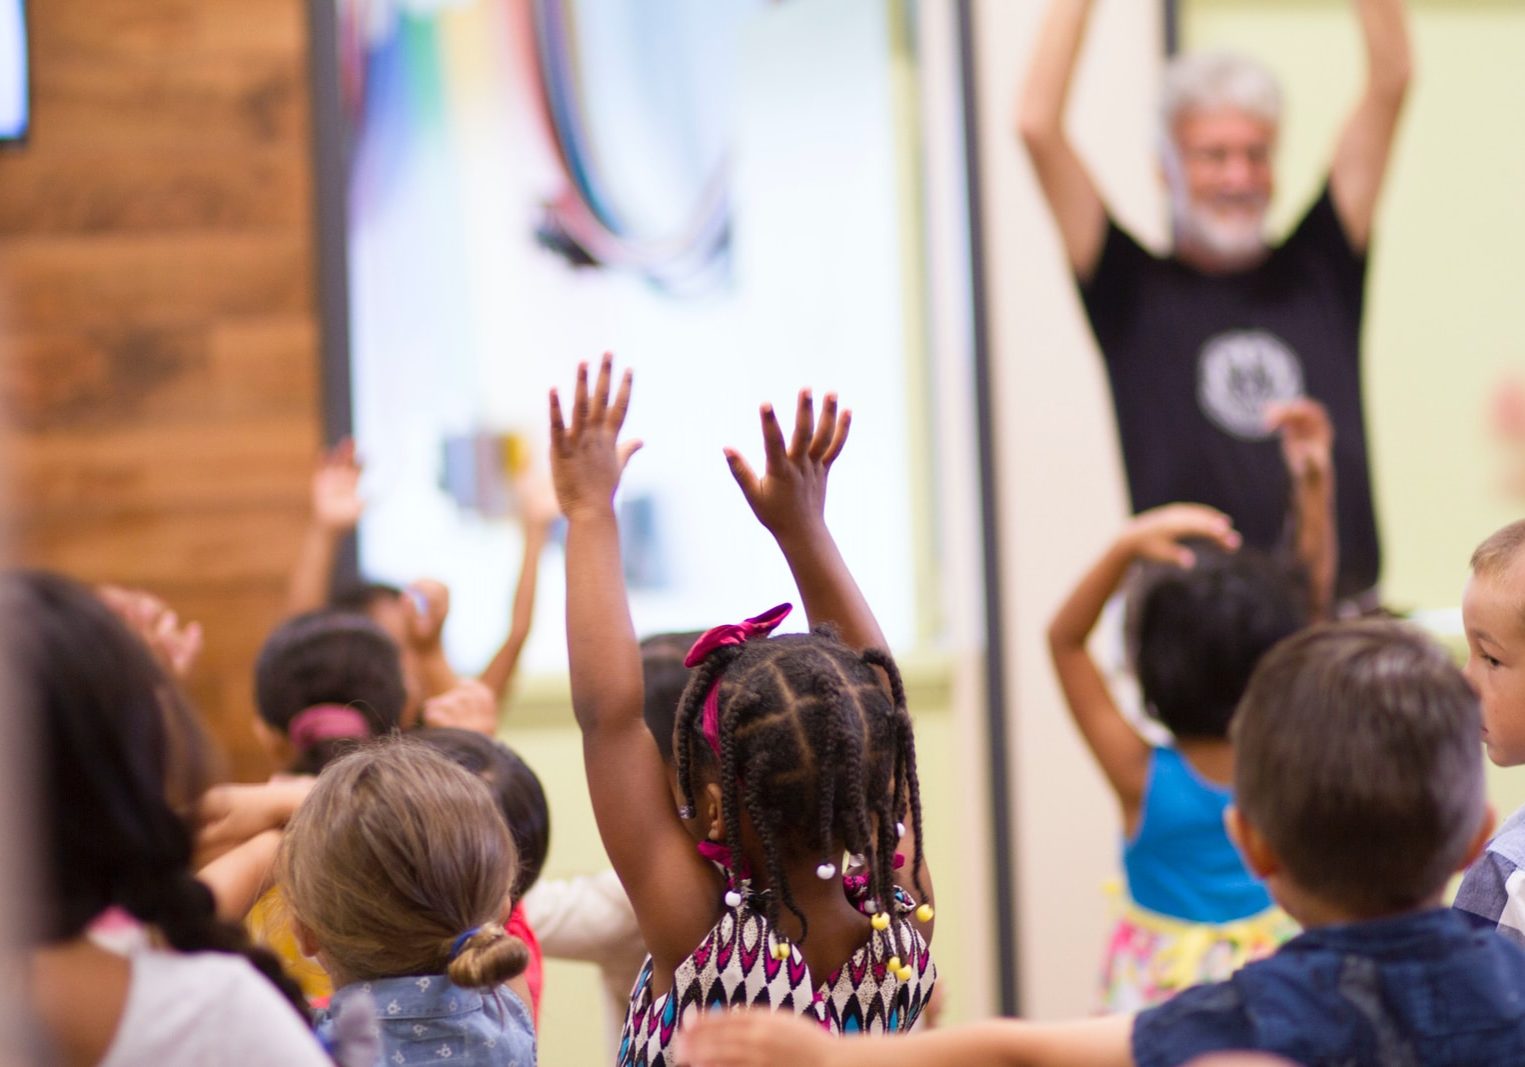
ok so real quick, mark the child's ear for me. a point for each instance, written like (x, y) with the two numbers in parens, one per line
(276, 744)
(1481, 838)
(306, 943)
(714, 812)
(1257, 854)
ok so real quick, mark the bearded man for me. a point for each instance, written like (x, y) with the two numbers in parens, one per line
(1199, 343)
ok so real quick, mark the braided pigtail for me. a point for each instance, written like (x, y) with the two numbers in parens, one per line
(905, 759)
(184, 911)
(690, 715)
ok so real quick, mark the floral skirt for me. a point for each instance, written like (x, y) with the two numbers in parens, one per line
(1152, 957)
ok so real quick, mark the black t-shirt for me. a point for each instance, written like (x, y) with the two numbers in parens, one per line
(1193, 359)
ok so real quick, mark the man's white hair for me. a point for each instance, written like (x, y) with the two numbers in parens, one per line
(1211, 81)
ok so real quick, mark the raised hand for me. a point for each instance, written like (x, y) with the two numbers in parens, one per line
(470, 705)
(174, 644)
(336, 502)
(1307, 436)
(792, 491)
(1157, 534)
(587, 456)
(537, 497)
(426, 604)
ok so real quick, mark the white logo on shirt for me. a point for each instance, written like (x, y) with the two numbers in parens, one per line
(1242, 371)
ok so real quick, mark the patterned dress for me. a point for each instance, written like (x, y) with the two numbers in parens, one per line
(734, 967)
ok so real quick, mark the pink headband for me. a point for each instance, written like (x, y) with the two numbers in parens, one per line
(325, 722)
(720, 637)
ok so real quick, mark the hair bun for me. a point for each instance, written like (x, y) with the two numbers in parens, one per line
(490, 957)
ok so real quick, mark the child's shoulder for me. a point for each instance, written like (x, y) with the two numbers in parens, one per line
(1509, 841)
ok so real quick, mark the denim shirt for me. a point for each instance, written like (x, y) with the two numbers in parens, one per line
(427, 1019)
(1420, 990)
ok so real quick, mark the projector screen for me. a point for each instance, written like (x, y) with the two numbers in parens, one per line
(710, 190)
(15, 91)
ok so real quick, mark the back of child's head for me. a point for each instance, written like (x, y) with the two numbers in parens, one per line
(361, 598)
(1357, 758)
(513, 784)
(399, 863)
(1199, 631)
(1500, 553)
(326, 679)
(120, 755)
(809, 745)
(664, 677)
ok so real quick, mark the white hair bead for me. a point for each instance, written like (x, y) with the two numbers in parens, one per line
(732, 898)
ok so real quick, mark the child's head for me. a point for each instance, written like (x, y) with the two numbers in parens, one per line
(1493, 611)
(324, 680)
(1199, 631)
(664, 678)
(399, 863)
(120, 756)
(804, 744)
(515, 787)
(1358, 779)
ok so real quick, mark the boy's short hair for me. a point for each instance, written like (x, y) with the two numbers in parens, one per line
(1500, 551)
(1357, 757)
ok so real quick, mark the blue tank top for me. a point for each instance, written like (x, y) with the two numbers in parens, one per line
(1181, 862)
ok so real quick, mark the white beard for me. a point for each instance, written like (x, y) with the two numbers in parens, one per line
(1231, 241)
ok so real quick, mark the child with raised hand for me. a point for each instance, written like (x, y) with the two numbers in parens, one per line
(1359, 787)
(399, 872)
(415, 617)
(1201, 619)
(1493, 613)
(790, 752)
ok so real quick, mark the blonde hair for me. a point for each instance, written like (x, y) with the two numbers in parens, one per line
(393, 858)
(1208, 81)
(1498, 553)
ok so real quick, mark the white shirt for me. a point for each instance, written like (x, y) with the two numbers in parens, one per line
(207, 1009)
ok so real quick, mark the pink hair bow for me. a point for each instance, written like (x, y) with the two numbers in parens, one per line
(719, 637)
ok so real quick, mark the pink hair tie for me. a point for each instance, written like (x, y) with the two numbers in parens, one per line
(325, 722)
(721, 637)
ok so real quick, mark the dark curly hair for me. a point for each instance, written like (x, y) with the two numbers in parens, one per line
(1198, 632)
(815, 751)
(119, 756)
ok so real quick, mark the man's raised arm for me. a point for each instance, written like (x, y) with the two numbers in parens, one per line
(1067, 185)
(1365, 145)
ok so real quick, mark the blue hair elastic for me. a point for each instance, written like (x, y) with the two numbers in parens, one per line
(460, 942)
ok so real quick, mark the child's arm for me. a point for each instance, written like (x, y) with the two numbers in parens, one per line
(675, 893)
(761, 1039)
(336, 508)
(469, 705)
(238, 878)
(790, 501)
(229, 815)
(425, 605)
(539, 505)
(1153, 535)
(1307, 442)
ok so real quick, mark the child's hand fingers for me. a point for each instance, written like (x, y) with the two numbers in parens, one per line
(821, 439)
(773, 439)
(842, 424)
(622, 400)
(628, 449)
(580, 400)
(804, 424)
(558, 428)
(742, 471)
(601, 388)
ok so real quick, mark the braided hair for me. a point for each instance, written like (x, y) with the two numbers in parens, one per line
(815, 753)
(120, 755)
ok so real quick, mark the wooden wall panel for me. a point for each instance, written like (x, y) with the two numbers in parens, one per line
(158, 317)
